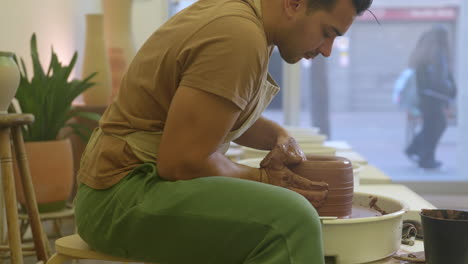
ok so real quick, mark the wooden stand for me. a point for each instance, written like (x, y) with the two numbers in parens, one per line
(55, 217)
(10, 127)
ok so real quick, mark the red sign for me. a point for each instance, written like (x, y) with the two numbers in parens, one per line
(411, 14)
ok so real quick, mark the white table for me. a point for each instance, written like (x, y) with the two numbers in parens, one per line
(369, 174)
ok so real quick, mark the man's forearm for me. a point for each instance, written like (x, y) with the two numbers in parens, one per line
(215, 165)
(263, 134)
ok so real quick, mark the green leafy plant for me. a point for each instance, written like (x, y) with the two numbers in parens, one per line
(49, 96)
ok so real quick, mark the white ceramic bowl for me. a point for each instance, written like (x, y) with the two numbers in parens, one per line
(367, 239)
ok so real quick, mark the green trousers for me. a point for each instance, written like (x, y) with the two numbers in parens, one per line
(211, 220)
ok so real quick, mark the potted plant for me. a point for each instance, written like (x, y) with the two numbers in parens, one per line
(48, 95)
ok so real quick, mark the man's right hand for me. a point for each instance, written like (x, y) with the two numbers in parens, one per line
(315, 192)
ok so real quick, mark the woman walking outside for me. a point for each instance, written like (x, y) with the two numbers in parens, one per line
(436, 92)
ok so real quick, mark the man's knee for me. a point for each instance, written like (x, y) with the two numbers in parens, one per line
(296, 210)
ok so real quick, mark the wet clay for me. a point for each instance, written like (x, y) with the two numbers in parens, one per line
(337, 172)
(373, 205)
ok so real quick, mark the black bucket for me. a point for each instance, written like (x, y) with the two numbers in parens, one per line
(445, 236)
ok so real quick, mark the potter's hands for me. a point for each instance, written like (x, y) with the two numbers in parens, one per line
(315, 192)
(274, 170)
(286, 152)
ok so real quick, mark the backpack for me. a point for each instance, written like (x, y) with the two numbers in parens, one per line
(405, 91)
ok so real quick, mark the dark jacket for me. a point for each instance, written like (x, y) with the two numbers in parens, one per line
(435, 83)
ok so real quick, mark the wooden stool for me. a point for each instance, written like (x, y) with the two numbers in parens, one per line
(56, 217)
(10, 125)
(73, 247)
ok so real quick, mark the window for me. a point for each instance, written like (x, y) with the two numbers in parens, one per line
(356, 84)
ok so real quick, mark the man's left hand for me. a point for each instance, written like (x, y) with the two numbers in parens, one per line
(286, 153)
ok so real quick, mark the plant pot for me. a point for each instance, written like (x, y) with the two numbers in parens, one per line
(9, 80)
(445, 235)
(51, 167)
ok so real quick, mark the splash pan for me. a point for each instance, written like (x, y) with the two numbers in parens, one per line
(372, 232)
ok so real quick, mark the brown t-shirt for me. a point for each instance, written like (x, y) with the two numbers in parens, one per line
(218, 46)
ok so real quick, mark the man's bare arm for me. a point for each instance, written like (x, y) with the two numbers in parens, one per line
(263, 134)
(196, 125)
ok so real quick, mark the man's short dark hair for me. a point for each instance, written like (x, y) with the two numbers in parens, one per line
(360, 5)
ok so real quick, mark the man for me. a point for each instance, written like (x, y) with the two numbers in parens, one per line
(156, 186)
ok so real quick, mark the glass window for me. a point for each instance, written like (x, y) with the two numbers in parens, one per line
(408, 142)
(353, 96)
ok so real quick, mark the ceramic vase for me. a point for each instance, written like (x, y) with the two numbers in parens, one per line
(9, 80)
(119, 38)
(95, 60)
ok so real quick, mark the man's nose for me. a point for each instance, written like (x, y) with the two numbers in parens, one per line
(326, 48)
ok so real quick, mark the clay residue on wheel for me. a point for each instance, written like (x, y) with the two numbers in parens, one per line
(373, 205)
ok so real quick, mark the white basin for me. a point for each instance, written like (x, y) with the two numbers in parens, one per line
(362, 240)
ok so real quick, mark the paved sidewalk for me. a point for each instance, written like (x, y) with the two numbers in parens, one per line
(380, 137)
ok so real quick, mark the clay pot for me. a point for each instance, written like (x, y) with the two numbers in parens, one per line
(9, 80)
(338, 173)
(51, 166)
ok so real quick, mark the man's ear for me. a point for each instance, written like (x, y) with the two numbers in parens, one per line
(291, 7)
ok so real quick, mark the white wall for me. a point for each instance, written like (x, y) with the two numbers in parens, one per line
(52, 20)
(61, 24)
(147, 16)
